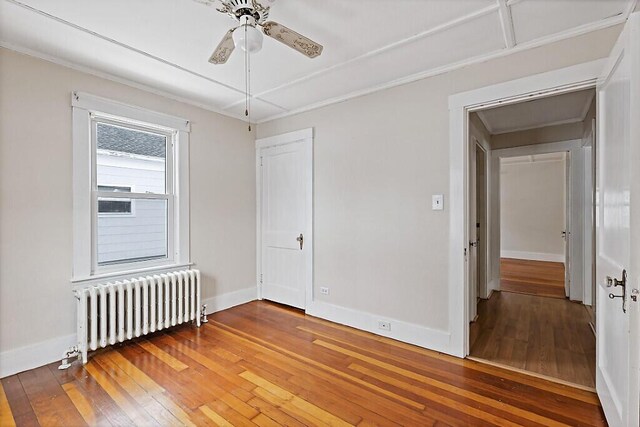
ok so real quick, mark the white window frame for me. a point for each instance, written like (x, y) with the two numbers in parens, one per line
(87, 110)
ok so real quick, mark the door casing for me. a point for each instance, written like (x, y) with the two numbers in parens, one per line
(556, 82)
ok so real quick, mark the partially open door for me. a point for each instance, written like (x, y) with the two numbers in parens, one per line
(617, 356)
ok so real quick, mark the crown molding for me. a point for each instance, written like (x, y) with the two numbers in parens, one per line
(107, 76)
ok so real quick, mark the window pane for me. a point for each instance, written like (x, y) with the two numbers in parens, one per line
(130, 158)
(114, 206)
(139, 236)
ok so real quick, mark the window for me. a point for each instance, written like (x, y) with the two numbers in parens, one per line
(130, 189)
(114, 206)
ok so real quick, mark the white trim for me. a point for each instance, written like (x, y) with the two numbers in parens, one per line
(306, 136)
(532, 256)
(285, 138)
(507, 24)
(81, 282)
(120, 80)
(230, 299)
(34, 355)
(545, 84)
(97, 104)
(411, 333)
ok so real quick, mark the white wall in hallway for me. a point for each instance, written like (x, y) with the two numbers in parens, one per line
(533, 207)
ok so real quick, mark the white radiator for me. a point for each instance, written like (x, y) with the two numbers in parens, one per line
(117, 311)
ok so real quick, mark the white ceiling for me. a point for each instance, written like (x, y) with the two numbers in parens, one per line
(554, 110)
(164, 45)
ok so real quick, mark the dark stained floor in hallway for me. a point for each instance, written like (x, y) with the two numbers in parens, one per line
(546, 335)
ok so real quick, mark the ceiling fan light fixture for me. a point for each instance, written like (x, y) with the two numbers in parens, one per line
(247, 37)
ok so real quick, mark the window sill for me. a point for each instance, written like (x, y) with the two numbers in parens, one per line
(78, 282)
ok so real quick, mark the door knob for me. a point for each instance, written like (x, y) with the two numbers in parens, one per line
(300, 239)
(612, 281)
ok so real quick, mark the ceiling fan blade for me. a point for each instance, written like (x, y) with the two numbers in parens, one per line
(292, 39)
(224, 49)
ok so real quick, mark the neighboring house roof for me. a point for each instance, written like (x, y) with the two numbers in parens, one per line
(114, 138)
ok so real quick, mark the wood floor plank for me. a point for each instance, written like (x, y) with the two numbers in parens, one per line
(302, 404)
(264, 364)
(215, 417)
(83, 406)
(165, 357)
(540, 278)
(6, 416)
(137, 414)
(50, 403)
(19, 402)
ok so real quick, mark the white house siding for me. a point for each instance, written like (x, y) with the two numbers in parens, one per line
(143, 232)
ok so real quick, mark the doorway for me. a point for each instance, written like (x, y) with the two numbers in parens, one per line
(533, 315)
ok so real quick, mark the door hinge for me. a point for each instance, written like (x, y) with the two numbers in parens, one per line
(261, 278)
(260, 160)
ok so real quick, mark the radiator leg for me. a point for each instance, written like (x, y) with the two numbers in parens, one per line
(71, 353)
(203, 314)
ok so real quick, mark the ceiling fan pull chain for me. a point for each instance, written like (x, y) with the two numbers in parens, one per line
(249, 86)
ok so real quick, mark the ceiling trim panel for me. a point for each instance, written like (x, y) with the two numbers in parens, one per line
(379, 51)
(574, 32)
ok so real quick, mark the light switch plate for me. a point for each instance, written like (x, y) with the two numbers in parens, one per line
(437, 202)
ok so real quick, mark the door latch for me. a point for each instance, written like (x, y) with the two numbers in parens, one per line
(611, 281)
(300, 240)
(634, 294)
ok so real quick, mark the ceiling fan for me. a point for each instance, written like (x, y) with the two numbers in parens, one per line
(251, 15)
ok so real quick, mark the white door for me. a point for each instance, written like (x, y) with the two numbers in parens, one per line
(617, 356)
(285, 220)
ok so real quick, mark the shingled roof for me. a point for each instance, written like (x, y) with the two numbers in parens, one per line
(130, 141)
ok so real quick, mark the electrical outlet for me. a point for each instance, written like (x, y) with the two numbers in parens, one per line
(324, 291)
(384, 325)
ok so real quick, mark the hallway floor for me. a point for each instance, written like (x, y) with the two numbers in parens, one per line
(548, 336)
(541, 278)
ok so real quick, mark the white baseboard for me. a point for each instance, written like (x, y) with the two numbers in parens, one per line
(34, 355)
(402, 331)
(533, 256)
(231, 299)
(45, 352)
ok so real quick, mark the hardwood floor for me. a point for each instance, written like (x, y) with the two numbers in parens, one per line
(264, 364)
(547, 336)
(532, 277)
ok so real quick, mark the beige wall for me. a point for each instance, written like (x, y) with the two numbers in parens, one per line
(532, 207)
(378, 159)
(36, 303)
